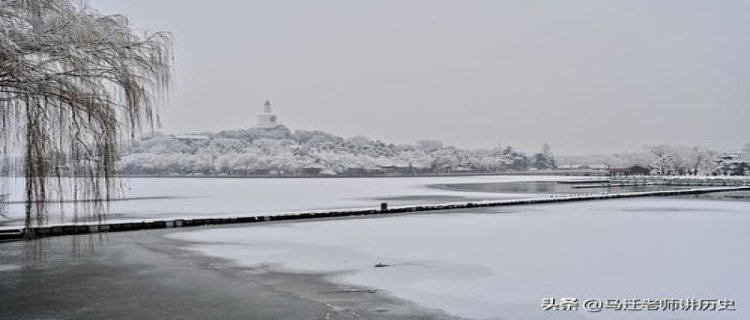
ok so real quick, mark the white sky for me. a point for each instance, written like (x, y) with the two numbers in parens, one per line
(586, 76)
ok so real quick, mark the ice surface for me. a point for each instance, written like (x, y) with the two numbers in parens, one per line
(154, 198)
(501, 262)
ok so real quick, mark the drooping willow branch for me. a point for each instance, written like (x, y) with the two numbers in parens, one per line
(73, 82)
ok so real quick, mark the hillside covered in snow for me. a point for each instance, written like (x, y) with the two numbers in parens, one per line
(279, 151)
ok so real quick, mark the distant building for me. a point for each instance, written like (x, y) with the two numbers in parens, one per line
(731, 164)
(267, 119)
(634, 170)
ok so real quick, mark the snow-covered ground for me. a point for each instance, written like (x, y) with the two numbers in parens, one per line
(501, 262)
(157, 198)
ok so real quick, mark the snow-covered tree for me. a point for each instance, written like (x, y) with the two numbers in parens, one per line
(662, 159)
(430, 145)
(444, 160)
(544, 159)
(701, 160)
(73, 82)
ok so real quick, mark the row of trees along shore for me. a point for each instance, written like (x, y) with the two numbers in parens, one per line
(671, 160)
(73, 82)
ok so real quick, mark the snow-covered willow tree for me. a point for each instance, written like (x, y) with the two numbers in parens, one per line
(73, 82)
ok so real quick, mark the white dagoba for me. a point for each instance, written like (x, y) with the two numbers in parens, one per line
(267, 120)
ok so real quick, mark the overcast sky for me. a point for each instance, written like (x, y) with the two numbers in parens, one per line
(586, 76)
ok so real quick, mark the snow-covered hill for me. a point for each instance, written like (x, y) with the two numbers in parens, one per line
(279, 151)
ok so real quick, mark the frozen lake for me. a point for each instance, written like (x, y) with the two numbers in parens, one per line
(480, 263)
(156, 198)
(501, 262)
